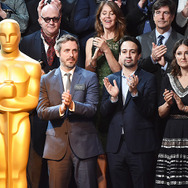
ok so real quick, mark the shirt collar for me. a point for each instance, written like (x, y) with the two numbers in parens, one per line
(71, 71)
(166, 34)
(125, 76)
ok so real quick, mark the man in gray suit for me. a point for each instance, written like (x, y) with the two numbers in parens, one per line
(68, 100)
(157, 45)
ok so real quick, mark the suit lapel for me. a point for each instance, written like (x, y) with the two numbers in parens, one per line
(75, 80)
(151, 38)
(58, 81)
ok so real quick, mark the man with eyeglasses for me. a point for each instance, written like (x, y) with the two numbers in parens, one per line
(40, 46)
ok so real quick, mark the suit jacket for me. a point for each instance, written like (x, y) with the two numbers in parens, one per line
(146, 43)
(135, 116)
(32, 45)
(77, 126)
(84, 24)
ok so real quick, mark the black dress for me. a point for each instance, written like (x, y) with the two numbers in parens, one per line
(172, 163)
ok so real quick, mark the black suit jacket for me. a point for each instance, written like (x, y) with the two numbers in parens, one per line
(136, 18)
(135, 117)
(32, 45)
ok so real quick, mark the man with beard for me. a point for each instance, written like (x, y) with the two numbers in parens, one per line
(130, 99)
(68, 100)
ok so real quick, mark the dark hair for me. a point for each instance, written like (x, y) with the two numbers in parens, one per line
(63, 39)
(162, 3)
(175, 68)
(132, 39)
(120, 20)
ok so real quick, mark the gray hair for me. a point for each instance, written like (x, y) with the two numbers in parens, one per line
(63, 39)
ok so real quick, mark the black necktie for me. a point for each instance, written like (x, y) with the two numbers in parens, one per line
(160, 40)
(68, 83)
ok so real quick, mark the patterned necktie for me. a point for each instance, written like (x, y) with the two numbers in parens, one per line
(160, 40)
(68, 83)
(51, 51)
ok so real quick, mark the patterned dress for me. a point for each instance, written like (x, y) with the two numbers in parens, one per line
(103, 68)
(172, 163)
(102, 71)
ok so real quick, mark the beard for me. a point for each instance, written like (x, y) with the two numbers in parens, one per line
(128, 65)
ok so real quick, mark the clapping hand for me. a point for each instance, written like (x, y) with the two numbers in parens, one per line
(179, 102)
(113, 90)
(132, 82)
(168, 97)
(158, 52)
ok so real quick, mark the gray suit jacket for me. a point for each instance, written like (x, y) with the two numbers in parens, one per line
(77, 126)
(146, 43)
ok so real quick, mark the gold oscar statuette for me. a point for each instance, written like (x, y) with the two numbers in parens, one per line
(19, 92)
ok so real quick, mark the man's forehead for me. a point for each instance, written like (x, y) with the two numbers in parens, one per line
(69, 44)
(128, 45)
(50, 11)
(163, 8)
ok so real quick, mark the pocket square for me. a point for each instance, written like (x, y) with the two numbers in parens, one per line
(79, 87)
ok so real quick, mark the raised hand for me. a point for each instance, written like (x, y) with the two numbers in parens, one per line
(179, 102)
(168, 97)
(158, 51)
(113, 90)
(132, 82)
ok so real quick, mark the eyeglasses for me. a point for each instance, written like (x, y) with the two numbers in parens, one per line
(54, 19)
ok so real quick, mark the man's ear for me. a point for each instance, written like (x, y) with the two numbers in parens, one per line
(57, 53)
(139, 56)
(40, 20)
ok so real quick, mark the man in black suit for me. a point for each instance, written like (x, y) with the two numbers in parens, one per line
(68, 100)
(157, 53)
(40, 46)
(130, 100)
(139, 16)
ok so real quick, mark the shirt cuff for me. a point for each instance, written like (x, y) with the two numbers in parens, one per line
(115, 100)
(136, 95)
(73, 107)
(61, 114)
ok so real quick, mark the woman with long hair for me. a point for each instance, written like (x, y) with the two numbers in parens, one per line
(102, 51)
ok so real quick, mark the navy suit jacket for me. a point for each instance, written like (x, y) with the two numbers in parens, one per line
(135, 116)
(32, 45)
(78, 126)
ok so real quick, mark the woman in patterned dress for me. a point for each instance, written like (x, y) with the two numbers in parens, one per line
(172, 163)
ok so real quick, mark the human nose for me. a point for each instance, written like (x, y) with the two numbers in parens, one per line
(128, 54)
(51, 21)
(161, 15)
(71, 53)
(183, 55)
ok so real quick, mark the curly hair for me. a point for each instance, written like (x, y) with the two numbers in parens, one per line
(175, 68)
(120, 20)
